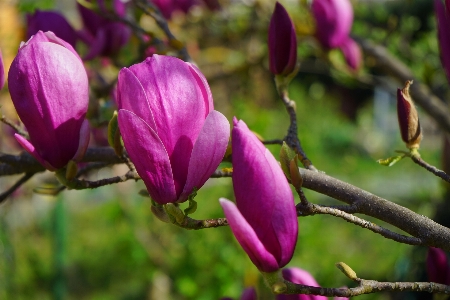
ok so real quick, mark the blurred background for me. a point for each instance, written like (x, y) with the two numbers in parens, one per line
(106, 244)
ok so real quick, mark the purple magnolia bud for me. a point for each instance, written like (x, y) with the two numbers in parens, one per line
(49, 89)
(334, 20)
(408, 119)
(2, 71)
(103, 36)
(299, 276)
(169, 127)
(282, 42)
(443, 24)
(51, 21)
(437, 266)
(264, 219)
(352, 53)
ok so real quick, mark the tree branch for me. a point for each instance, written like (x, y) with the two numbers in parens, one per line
(292, 136)
(16, 127)
(368, 287)
(25, 163)
(77, 184)
(431, 233)
(439, 173)
(314, 209)
(18, 184)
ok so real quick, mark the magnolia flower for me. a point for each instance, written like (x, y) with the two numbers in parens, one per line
(264, 219)
(408, 119)
(103, 36)
(282, 42)
(437, 266)
(51, 21)
(170, 130)
(334, 20)
(49, 89)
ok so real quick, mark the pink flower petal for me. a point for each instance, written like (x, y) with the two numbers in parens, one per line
(132, 97)
(85, 134)
(208, 152)
(149, 156)
(248, 239)
(178, 106)
(204, 87)
(30, 149)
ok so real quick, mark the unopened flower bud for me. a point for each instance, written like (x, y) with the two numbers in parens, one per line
(49, 89)
(282, 42)
(408, 119)
(264, 218)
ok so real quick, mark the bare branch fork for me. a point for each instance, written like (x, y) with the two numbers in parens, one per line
(292, 135)
(426, 230)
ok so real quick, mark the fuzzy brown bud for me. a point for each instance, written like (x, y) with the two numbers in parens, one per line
(408, 119)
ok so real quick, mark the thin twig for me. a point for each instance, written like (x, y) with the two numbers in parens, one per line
(190, 223)
(272, 142)
(292, 136)
(16, 185)
(439, 173)
(77, 184)
(25, 163)
(128, 162)
(314, 209)
(16, 127)
(431, 233)
(303, 201)
(226, 172)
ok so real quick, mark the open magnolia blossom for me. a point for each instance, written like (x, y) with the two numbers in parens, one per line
(169, 126)
(264, 219)
(49, 89)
